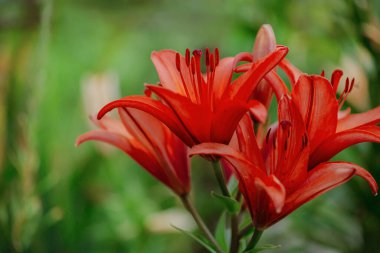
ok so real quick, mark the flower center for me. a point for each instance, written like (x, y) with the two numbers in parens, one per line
(198, 87)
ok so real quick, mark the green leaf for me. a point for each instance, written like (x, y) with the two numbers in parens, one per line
(199, 238)
(221, 233)
(231, 204)
(263, 247)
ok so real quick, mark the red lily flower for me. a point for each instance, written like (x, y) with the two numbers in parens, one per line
(275, 180)
(201, 107)
(150, 143)
(330, 130)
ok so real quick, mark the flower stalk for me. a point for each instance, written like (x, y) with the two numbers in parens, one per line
(254, 240)
(198, 219)
(234, 246)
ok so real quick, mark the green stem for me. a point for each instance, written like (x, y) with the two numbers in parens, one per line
(254, 240)
(197, 218)
(234, 246)
(220, 177)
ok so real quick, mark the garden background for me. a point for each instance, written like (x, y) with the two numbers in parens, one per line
(60, 60)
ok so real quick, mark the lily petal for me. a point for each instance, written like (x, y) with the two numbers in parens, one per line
(223, 75)
(323, 178)
(227, 114)
(291, 71)
(342, 140)
(129, 146)
(246, 142)
(154, 108)
(195, 117)
(265, 42)
(243, 86)
(258, 111)
(237, 159)
(292, 149)
(371, 117)
(165, 63)
(277, 84)
(312, 95)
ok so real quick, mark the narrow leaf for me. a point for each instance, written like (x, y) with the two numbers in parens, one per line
(231, 204)
(197, 237)
(264, 247)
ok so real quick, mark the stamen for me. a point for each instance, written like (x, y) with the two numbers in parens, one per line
(197, 52)
(274, 141)
(285, 124)
(352, 85)
(216, 53)
(187, 57)
(286, 144)
(192, 66)
(147, 92)
(267, 136)
(207, 57)
(178, 62)
(212, 63)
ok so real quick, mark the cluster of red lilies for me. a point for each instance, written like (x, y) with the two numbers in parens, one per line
(279, 165)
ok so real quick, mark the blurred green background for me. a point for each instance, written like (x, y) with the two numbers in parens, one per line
(61, 60)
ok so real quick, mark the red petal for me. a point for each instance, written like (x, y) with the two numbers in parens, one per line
(371, 117)
(342, 140)
(196, 118)
(243, 86)
(343, 114)
(237, 159)
(327, 176)
(323, 178)
(165, 63)
(292, 152)
(154, 108)
(318, 106)
(225, 120)
(277, 84)
(291, 71)
(274, 189)
(127, 144)
(258, 111)
(247, 144)
(266, 199)
(265, 42)
(223, 75)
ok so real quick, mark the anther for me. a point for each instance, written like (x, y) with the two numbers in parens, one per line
(285, 124)
(352, 85)
(207, 56)
(147, 92)
(216, 53)
(187, 57)
(268, 134)
(346, 88)
(197, 52)
(212, 64)
(178, 62)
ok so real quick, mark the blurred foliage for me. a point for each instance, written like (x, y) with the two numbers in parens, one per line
(56, 198)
